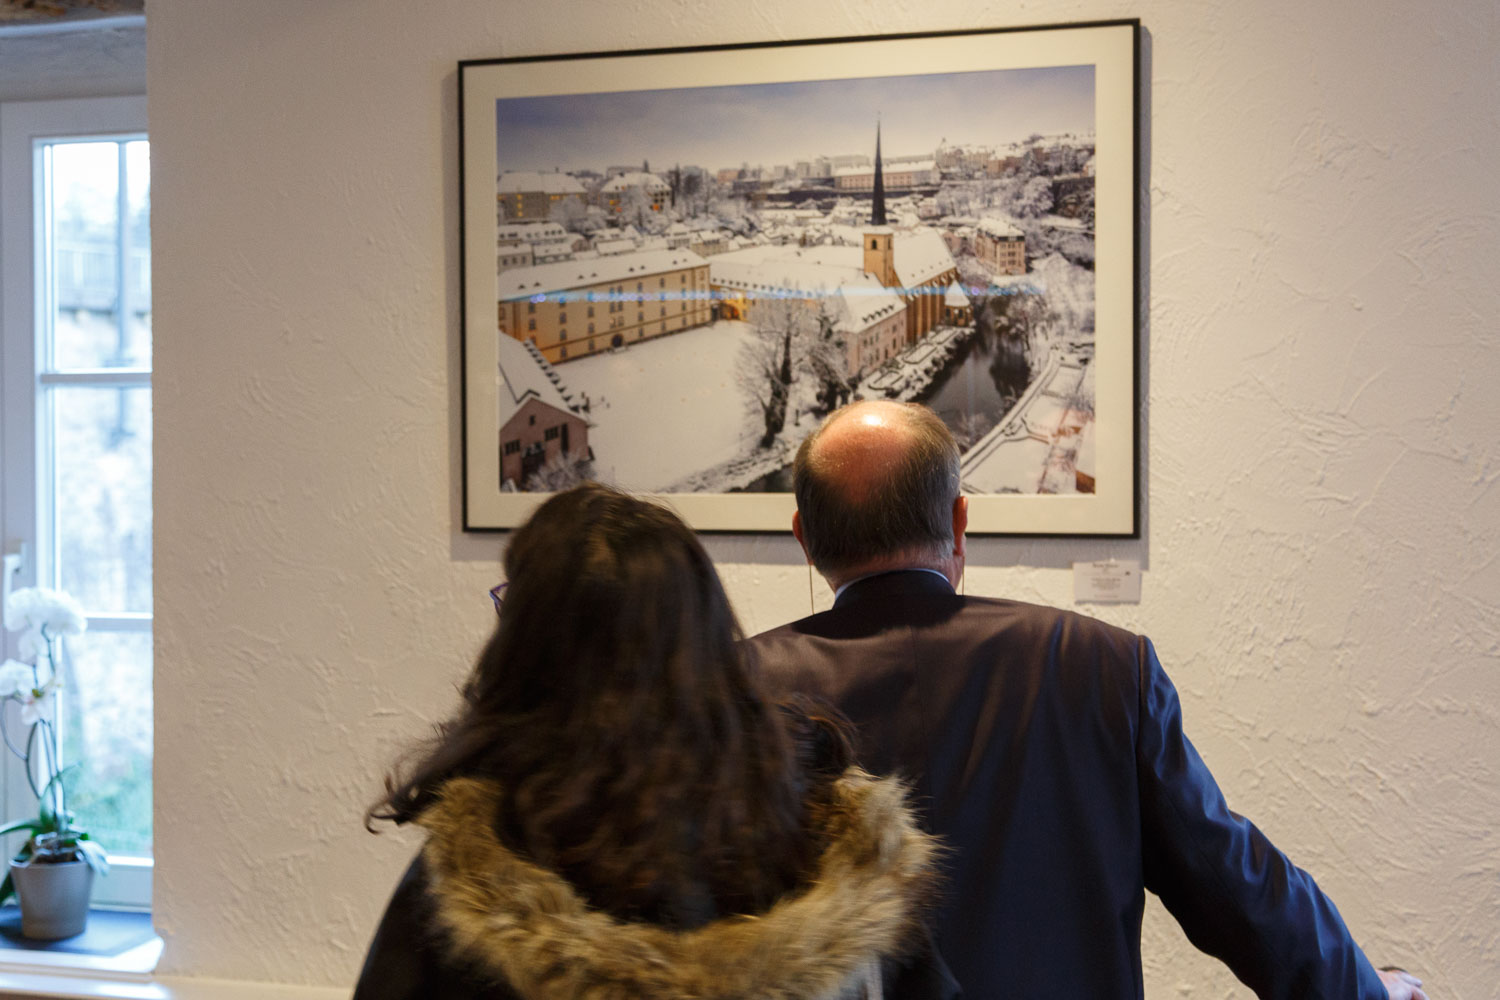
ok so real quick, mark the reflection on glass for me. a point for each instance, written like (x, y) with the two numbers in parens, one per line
(91, 292)
(102, 470)
(105, 717)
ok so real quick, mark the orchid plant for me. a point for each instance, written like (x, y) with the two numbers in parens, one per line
(42, 617)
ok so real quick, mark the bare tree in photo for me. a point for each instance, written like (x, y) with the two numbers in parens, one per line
(971, 427)
(693, 193)
(635, 208)
(764, 368)
(560, 472)
(1032, 320)
(824, 359)
(570, 213)
(1033, 199)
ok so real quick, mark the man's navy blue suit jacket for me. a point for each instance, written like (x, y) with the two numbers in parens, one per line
(1047, 749)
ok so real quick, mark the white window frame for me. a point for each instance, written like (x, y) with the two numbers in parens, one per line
(22, 459)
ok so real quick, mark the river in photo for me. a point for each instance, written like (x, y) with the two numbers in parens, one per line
(971, 394)
(984, 380)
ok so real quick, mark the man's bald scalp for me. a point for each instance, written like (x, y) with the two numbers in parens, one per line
(876, 481)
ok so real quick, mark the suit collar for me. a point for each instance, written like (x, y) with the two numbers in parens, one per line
(900, 582)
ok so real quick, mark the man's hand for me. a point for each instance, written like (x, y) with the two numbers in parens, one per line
(1402, 985)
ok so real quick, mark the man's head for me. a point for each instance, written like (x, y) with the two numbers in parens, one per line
(877, 489)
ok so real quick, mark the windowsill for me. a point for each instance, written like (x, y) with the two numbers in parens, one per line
(120, 968)
(115, 943)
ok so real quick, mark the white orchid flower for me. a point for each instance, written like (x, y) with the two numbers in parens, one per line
(37, 707)
(18, 608)
(30, 645)
(38, 607)
(15, 677)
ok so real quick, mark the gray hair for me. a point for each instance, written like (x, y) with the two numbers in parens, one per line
(908, 513)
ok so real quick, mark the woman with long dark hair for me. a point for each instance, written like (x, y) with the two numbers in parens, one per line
(616, 811)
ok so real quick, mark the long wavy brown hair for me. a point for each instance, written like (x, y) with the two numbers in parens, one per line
(635, 752)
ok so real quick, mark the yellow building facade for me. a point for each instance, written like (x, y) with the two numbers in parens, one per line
(1000, 247)
(576, 308)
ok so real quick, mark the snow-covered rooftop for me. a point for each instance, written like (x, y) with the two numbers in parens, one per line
(524, 282)
(956, 297)
(888, 166)
(921, 254)
(636, 178)
(524, 374)
(1000, 229)
(858, 297)
(865, 301)
(532, 180)
(530, 232)
(608, 248)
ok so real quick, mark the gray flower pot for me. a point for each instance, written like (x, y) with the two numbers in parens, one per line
(54, 898)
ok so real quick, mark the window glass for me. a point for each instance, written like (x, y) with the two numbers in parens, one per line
(94, 468)
(87, 284)
(102, 483)
(106, 728)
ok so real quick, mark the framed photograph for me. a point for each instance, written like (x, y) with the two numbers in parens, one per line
(676, 262)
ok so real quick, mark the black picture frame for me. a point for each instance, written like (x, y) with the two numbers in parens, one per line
(1080, 290)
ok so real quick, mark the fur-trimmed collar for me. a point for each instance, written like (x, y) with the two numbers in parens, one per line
(525, 924)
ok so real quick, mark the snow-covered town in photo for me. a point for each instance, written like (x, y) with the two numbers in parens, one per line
(688, 280)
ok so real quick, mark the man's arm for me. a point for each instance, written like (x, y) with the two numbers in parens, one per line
(1236, 896)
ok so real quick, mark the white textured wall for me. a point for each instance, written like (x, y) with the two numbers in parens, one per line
(1320, 443)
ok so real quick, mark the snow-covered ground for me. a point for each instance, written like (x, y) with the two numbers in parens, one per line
(666, 408)
(667, 414)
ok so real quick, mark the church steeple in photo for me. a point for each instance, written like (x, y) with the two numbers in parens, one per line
(879, 240)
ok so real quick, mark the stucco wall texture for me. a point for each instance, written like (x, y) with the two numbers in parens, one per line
(1319, 364)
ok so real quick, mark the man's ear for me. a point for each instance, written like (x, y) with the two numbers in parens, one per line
(797, 534)
(960, 523)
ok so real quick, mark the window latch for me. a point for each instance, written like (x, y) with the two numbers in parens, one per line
(15, 562)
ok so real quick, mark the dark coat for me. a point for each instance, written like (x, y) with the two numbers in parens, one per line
(471, 919)
(1046, 749)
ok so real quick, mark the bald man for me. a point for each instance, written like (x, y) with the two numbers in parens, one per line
(1046, 748)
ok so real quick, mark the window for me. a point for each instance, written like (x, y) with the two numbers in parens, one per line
(513, 447)
(75, 284)
(550, 434)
